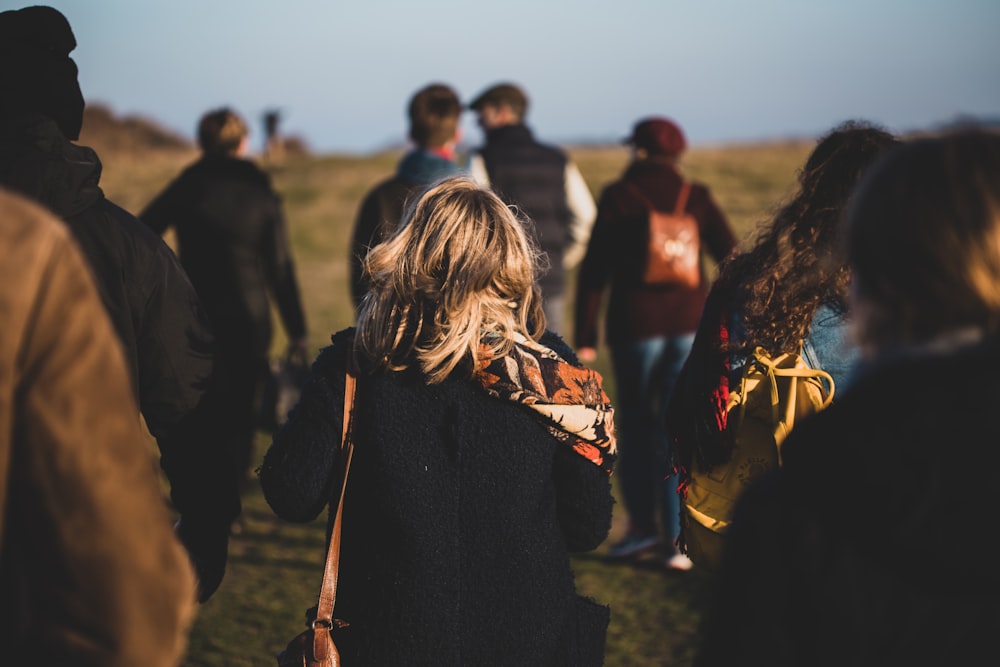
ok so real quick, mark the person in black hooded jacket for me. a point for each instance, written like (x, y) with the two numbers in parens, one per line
(156, 313)
(233, 243)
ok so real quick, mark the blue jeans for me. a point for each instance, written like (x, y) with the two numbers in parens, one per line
(645, 374)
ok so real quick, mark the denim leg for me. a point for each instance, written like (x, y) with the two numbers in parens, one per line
(675, 352)
(640, 436)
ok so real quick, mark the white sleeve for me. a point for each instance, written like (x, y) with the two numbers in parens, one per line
(583, 211)
(477, 170)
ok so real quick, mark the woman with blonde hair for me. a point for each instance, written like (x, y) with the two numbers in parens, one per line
(482, 452)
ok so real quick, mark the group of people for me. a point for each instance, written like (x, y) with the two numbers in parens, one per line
(650, 327)
(485, 446)
(547, 187)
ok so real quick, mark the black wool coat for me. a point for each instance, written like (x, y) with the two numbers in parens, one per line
(873, 544)
(460, 515)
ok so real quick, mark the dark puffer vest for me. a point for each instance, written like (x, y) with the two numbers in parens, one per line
(532, 176)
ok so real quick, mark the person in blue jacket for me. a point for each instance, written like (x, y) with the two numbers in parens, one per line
(434, 112)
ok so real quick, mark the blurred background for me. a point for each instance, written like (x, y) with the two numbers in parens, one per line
(339, 74)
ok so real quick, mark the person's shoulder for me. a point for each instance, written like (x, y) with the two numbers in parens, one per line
(558, 344)
(26, 222)
(553, 149)
(252, 172)
(388, 185)
(104, 219)
(699, 189)
(343, 338)
(524, 134)
(387, 191)
(230, 167)
(618, 186)
(146, 250)
(700, 192)
(333, 357)
(124, 220)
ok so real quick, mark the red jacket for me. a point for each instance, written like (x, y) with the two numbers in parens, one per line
(616, 253)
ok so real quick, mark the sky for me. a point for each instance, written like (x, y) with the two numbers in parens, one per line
(727, 71)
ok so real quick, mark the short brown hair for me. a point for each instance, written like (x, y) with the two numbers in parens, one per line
(502, 94)
(434, 114)
(221, 131)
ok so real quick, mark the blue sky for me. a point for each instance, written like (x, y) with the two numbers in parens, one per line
(726, 70)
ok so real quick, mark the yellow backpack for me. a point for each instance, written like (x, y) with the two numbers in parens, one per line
(772, 396)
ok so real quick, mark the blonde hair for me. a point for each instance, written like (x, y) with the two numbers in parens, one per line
(221, 131)
(452, 285)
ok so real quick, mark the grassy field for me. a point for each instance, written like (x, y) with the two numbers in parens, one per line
(275, 568)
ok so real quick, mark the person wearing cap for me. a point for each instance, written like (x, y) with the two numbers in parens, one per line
(649, 328)
(156, 313)
(434, 112)
(542, 182)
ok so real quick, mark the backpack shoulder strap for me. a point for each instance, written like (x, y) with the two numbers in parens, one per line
(634, 189)
(682, 196)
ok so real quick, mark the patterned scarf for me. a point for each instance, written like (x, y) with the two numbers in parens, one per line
(568, 399)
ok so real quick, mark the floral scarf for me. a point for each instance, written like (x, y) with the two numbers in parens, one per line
(568, 399)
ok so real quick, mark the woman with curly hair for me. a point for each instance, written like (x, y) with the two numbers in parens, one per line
(867, 546)
(482, 452)
(788, 289)
(794, 279)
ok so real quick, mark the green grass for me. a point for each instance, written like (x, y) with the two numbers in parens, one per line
(275, 568)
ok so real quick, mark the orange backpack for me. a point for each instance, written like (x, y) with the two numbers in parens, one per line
(673, 253)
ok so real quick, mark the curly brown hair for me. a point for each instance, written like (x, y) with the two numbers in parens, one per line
(796, 262)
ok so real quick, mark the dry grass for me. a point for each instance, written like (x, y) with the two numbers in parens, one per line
(274, 568)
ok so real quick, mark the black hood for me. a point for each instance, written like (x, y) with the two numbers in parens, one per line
(39, 162)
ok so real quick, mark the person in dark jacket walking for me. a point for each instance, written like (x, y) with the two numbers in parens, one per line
(542, 182)
(91, 571)
(482, 457)
(434, 112)
(867, 547)
(650, 327)
(233, 243)
(152, 304)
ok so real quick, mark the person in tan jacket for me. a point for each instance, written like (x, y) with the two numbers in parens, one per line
(91, 572)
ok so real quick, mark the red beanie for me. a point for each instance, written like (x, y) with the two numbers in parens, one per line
(658, 136)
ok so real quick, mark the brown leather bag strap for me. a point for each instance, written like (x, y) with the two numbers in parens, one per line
(328, 590)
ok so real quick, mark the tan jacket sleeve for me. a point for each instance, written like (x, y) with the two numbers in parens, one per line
(99, 575)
